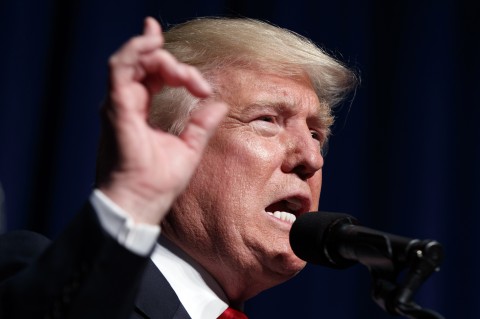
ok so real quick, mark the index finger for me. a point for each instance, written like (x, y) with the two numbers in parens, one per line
(163, 68)
(151, 27)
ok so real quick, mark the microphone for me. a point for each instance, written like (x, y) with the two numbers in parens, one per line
(338, 241)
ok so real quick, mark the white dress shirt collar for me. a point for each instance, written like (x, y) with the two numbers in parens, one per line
(198, 292)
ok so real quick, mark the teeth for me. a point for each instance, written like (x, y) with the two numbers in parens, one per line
(294, 204)
(284, 216)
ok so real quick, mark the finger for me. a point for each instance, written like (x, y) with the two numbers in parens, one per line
(202, 124)
(173, 73)
(125, 65)
(139, 45)
(196, 83)
(151, 27)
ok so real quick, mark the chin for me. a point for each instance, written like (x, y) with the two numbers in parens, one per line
(288, 266)
(279, 270)
(295, 268)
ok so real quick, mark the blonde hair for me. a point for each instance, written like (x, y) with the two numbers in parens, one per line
(213, 44)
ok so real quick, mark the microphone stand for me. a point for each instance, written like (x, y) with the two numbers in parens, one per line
(420, 260)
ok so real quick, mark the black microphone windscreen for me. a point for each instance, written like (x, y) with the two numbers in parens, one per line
(309, 237)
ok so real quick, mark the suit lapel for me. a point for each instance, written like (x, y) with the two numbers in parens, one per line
(156, 298)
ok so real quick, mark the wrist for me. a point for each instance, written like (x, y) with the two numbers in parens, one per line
(141, 203)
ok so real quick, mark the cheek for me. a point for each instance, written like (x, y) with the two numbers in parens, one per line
(315, 185)
(245, 155)
(233, 172)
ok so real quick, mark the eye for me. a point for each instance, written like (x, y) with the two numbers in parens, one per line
(322, 141)
(315, 135)
(266, 118)
(266, 125)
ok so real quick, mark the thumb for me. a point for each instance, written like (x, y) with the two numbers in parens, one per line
(202, 124)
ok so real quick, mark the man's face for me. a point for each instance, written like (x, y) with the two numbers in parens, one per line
(264, 158)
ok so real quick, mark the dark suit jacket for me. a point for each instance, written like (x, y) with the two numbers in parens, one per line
(85, 273)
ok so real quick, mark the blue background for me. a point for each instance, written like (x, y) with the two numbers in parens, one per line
(404, 156)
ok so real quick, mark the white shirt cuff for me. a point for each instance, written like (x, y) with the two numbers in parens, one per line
(138, 238)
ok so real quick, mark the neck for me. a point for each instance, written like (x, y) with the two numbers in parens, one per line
(238, 284)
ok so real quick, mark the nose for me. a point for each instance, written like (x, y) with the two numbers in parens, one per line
(303, 155)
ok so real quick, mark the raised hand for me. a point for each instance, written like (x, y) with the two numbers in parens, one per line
(152, 167)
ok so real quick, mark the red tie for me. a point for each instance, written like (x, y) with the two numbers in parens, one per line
(231, 313)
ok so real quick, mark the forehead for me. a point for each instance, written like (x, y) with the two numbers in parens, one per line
(242, 88)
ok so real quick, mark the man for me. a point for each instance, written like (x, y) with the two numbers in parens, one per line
(247, 107)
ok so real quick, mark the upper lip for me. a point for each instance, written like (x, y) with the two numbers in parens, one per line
(298, 203)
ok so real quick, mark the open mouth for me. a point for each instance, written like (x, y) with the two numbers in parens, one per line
(287, 209)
